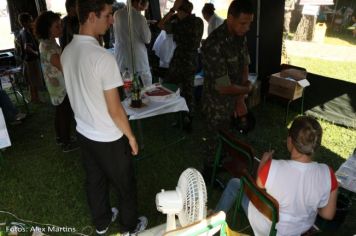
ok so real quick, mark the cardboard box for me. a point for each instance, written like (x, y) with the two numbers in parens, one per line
(288, 83)
(294, 74)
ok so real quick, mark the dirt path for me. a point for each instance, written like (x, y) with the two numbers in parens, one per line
(322, 51)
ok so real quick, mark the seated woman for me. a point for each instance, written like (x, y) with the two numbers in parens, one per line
(303, 188)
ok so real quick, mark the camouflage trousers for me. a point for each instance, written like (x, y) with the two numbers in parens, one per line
(182, 72)
(217, 109)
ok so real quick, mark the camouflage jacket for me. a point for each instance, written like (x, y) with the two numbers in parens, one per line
(224, 55)
(187, 34)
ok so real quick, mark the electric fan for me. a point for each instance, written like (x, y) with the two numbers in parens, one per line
(188, 201)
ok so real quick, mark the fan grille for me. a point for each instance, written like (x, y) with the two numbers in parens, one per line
(193, 191)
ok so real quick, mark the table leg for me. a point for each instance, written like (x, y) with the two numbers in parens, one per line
(287, 112)
(302, 106)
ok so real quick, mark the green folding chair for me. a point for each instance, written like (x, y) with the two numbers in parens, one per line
(263, 202)
(238, 156)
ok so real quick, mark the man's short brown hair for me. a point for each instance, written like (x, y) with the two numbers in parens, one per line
(84, 7)
(240, 6)
(208, 9)
(187, 7)
(24, 18)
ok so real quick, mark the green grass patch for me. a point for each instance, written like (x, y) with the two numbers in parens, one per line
(40, 183)
(342, 70)
(335, 38)
(343, 39)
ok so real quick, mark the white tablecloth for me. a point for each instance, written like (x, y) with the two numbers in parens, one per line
(154, 108)
(4, 135)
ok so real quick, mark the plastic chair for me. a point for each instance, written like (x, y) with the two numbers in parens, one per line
(239, 155)
(8, 82)
(208, 226)
(263, 202)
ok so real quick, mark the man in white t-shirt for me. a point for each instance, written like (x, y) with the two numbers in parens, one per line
(106, 139)
(214, 21)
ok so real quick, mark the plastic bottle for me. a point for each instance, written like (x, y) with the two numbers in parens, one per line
(126, 77)
(136, 100)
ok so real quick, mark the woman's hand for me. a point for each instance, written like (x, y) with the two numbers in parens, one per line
(266, 157)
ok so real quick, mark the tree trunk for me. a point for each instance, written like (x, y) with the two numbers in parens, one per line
(284, 58)
(305, 29)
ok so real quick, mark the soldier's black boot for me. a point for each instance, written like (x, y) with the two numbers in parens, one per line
(245, 123)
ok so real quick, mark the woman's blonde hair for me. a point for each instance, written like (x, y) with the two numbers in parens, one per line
(306, 134)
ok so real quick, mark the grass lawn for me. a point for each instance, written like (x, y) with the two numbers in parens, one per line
(40, 183)
(342, 70)
(334, 38)
(344, 39)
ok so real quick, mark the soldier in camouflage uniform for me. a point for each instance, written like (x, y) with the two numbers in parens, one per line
(225, 65)
(187, 30)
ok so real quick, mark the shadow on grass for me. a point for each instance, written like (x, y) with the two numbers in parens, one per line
(346, 35)
(331, 99)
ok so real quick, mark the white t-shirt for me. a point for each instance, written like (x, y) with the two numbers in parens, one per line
(88, 70)
(300, 189)
(214, 22)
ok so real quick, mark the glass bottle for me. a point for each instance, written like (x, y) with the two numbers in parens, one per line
(136, 100)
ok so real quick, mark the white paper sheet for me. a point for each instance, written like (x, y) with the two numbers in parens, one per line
(4, 135)
(346, 174)
(303, 83)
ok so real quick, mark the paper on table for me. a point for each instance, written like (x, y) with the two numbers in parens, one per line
(4, 135)
(346, 174)
(252, 77)
(158, 93)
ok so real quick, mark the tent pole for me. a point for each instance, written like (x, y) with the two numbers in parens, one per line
(129, 15)
(257, 34)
